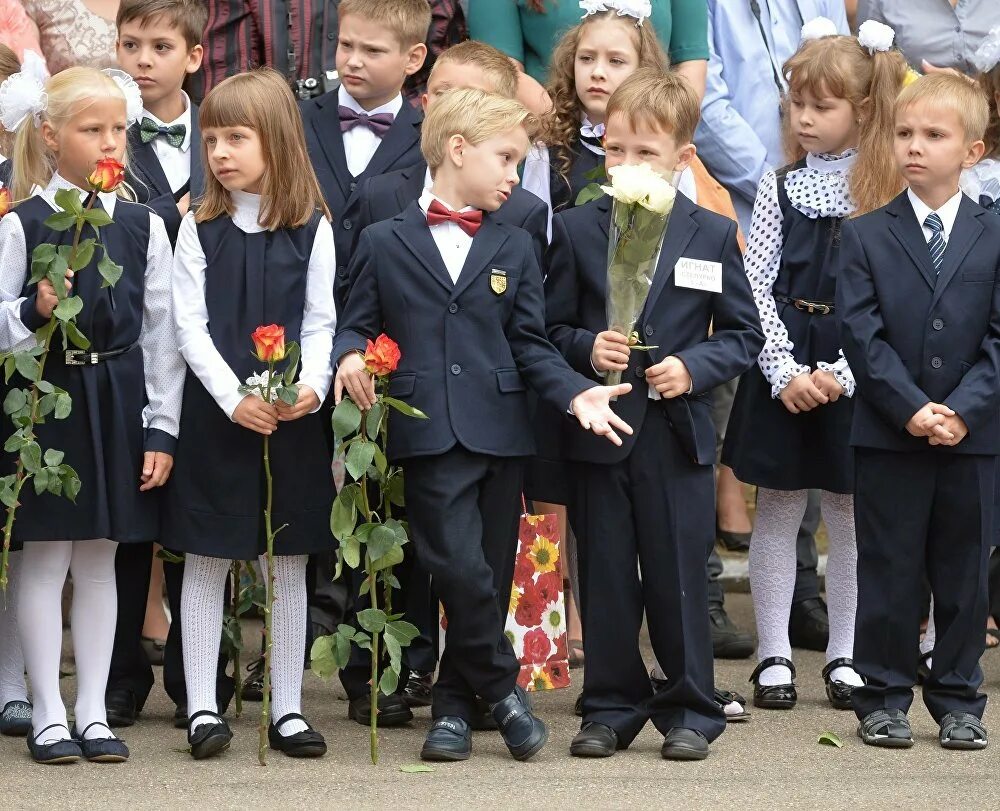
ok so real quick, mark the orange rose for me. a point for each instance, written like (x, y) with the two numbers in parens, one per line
(382, 357)
(269, 342)
(107, 176)
(4, 200)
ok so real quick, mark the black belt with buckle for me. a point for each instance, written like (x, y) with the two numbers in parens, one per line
(81, 357)
(811, 307)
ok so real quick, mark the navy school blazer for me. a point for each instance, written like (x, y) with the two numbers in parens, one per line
(675, 319)
(911, 336)
(469, 349)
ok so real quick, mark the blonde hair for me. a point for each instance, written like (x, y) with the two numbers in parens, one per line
(497, 68)
(69, 93)
(408, 20)
(473, 114)
(9, 65)
(839, 66)
(950, 92)
(663, 100)
(562, 124)
(989, 82)
(262, 101)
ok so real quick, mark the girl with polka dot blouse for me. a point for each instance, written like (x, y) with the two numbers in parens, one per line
(790, 423)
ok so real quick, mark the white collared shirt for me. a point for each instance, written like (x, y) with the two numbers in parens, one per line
(360, 143)
(175, 161)
(947, 212)
(319, 318)
(452, 242)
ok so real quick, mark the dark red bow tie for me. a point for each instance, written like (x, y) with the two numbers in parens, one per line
(468, 221)
(378, 123)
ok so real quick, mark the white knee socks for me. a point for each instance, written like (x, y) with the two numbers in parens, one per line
(12, 684)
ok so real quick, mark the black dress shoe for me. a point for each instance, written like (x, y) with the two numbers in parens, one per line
(594, 740)
(307, 743)
(120, 707)
(888, 728)
(208, 739)
(253, 685)
(684, 744)
(775, 696)
(393, 710)
(449, 738)
(101, 750)
(728, 641)
(578, 706)
(524, 734)
(733, 541)
(838, 692)
(181, 716)
(64, 751)
(809, 625)
(417, 692)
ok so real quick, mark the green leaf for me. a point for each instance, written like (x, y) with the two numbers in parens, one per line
(69, 201)
(60, 221)
(830, 739)
(7, 485)
(40, 259)
(168, 556)
(77, 338)
(372, 620)
(395, 490)
(53, 458)
(64, 405)
(15, 442)
(381, 463)
(344, 516)
(55, 482)
(380, 541)
(97, 217)
(27, 366)
(404, 632)
(592, 191)
(351, 548)
(15, 400)
(346, 419)
(373, 420)
(292, 353)
(71, 483)
(47, 404)
(31, 457)
(45, 387)
(405, 408)
(394, 650)
(321, 656)
(415, 768)
(84, 253)
(359, 456)
(41, 481)
(342, 651)
(68, 308)
(389, 681)
(8, 368)
(392, 557)
(110, 271)
(288, 394)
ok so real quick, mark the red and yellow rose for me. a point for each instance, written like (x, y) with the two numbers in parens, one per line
(269, 343)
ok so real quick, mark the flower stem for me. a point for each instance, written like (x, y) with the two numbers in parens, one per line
(265, 706)
(373, 595)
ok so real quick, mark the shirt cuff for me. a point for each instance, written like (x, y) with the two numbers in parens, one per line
(30, 316)
(842, 373)
(159, 440)
(785, 377)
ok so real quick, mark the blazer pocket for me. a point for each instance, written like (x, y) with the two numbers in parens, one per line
(509, 380)
(402, 385)
(978, 276)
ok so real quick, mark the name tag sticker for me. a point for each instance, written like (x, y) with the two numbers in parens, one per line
(698, 274)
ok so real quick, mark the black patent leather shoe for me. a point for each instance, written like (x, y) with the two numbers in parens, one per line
(307, 743)
(449, 738)
(838, 692)
(208, 739)
(594, 740)
(809, 625)
(393, 711)
(417, 692)
(776, 696)
(684, 744)
(101, 750)
(120, 707)
(60, 751)
(524, 734)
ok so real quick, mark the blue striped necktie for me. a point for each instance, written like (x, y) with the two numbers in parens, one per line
(936, 243)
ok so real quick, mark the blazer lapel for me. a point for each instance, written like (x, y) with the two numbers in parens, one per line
(906, 229)
(413, 232)
(197, 171)
(680, 229)
(326, 125)
(964, 234)
(403, 134)
(146, 165)
(485, 245)
(412, 186)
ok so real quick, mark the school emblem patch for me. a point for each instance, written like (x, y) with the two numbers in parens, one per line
(498, 281)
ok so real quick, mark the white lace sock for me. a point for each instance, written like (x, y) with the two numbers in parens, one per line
(772, 575)
(201, 624)
(288, 628)
(841, 581)
(930, 635)
(12, 684)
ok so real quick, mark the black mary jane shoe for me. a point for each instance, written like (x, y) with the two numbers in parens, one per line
(307, 743)
(101, 750)
(524, 733)
(63, 751)
(594, 740)
(775, 696)
(208, 739)
(448, 739)
(838, 692)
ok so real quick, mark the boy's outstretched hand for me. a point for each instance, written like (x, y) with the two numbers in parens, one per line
(354, 377)
(593, 412)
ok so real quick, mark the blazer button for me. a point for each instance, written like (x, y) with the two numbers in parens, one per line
(937, 323)
(348, 225)
(456, 369)
(453, 308)
(649, 331)
(640, 372)
(354, 185)
(936, 363)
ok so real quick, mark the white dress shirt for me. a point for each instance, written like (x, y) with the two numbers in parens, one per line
(163, 367)
(360, 143)
(452, 242)
(947, 212)
(175, 161)
(319, 318)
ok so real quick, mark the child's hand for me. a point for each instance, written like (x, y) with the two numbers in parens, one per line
(954, 425)
(184, 204)
(306, 403)
(827, 383)
(156, 467)
(801, 394)
(255, 414)
(352, 375)
(46, 298)
(669, 377)
(929, 421)
(593, 412)
(610, 352)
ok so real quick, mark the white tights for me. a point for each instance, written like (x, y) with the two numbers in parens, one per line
(201, 613)
(44, 566)
(772, 577)
(12, 684)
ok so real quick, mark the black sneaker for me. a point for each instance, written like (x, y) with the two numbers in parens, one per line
(728, 641)
(809, 625)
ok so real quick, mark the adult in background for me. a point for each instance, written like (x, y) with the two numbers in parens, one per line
(74, 32)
